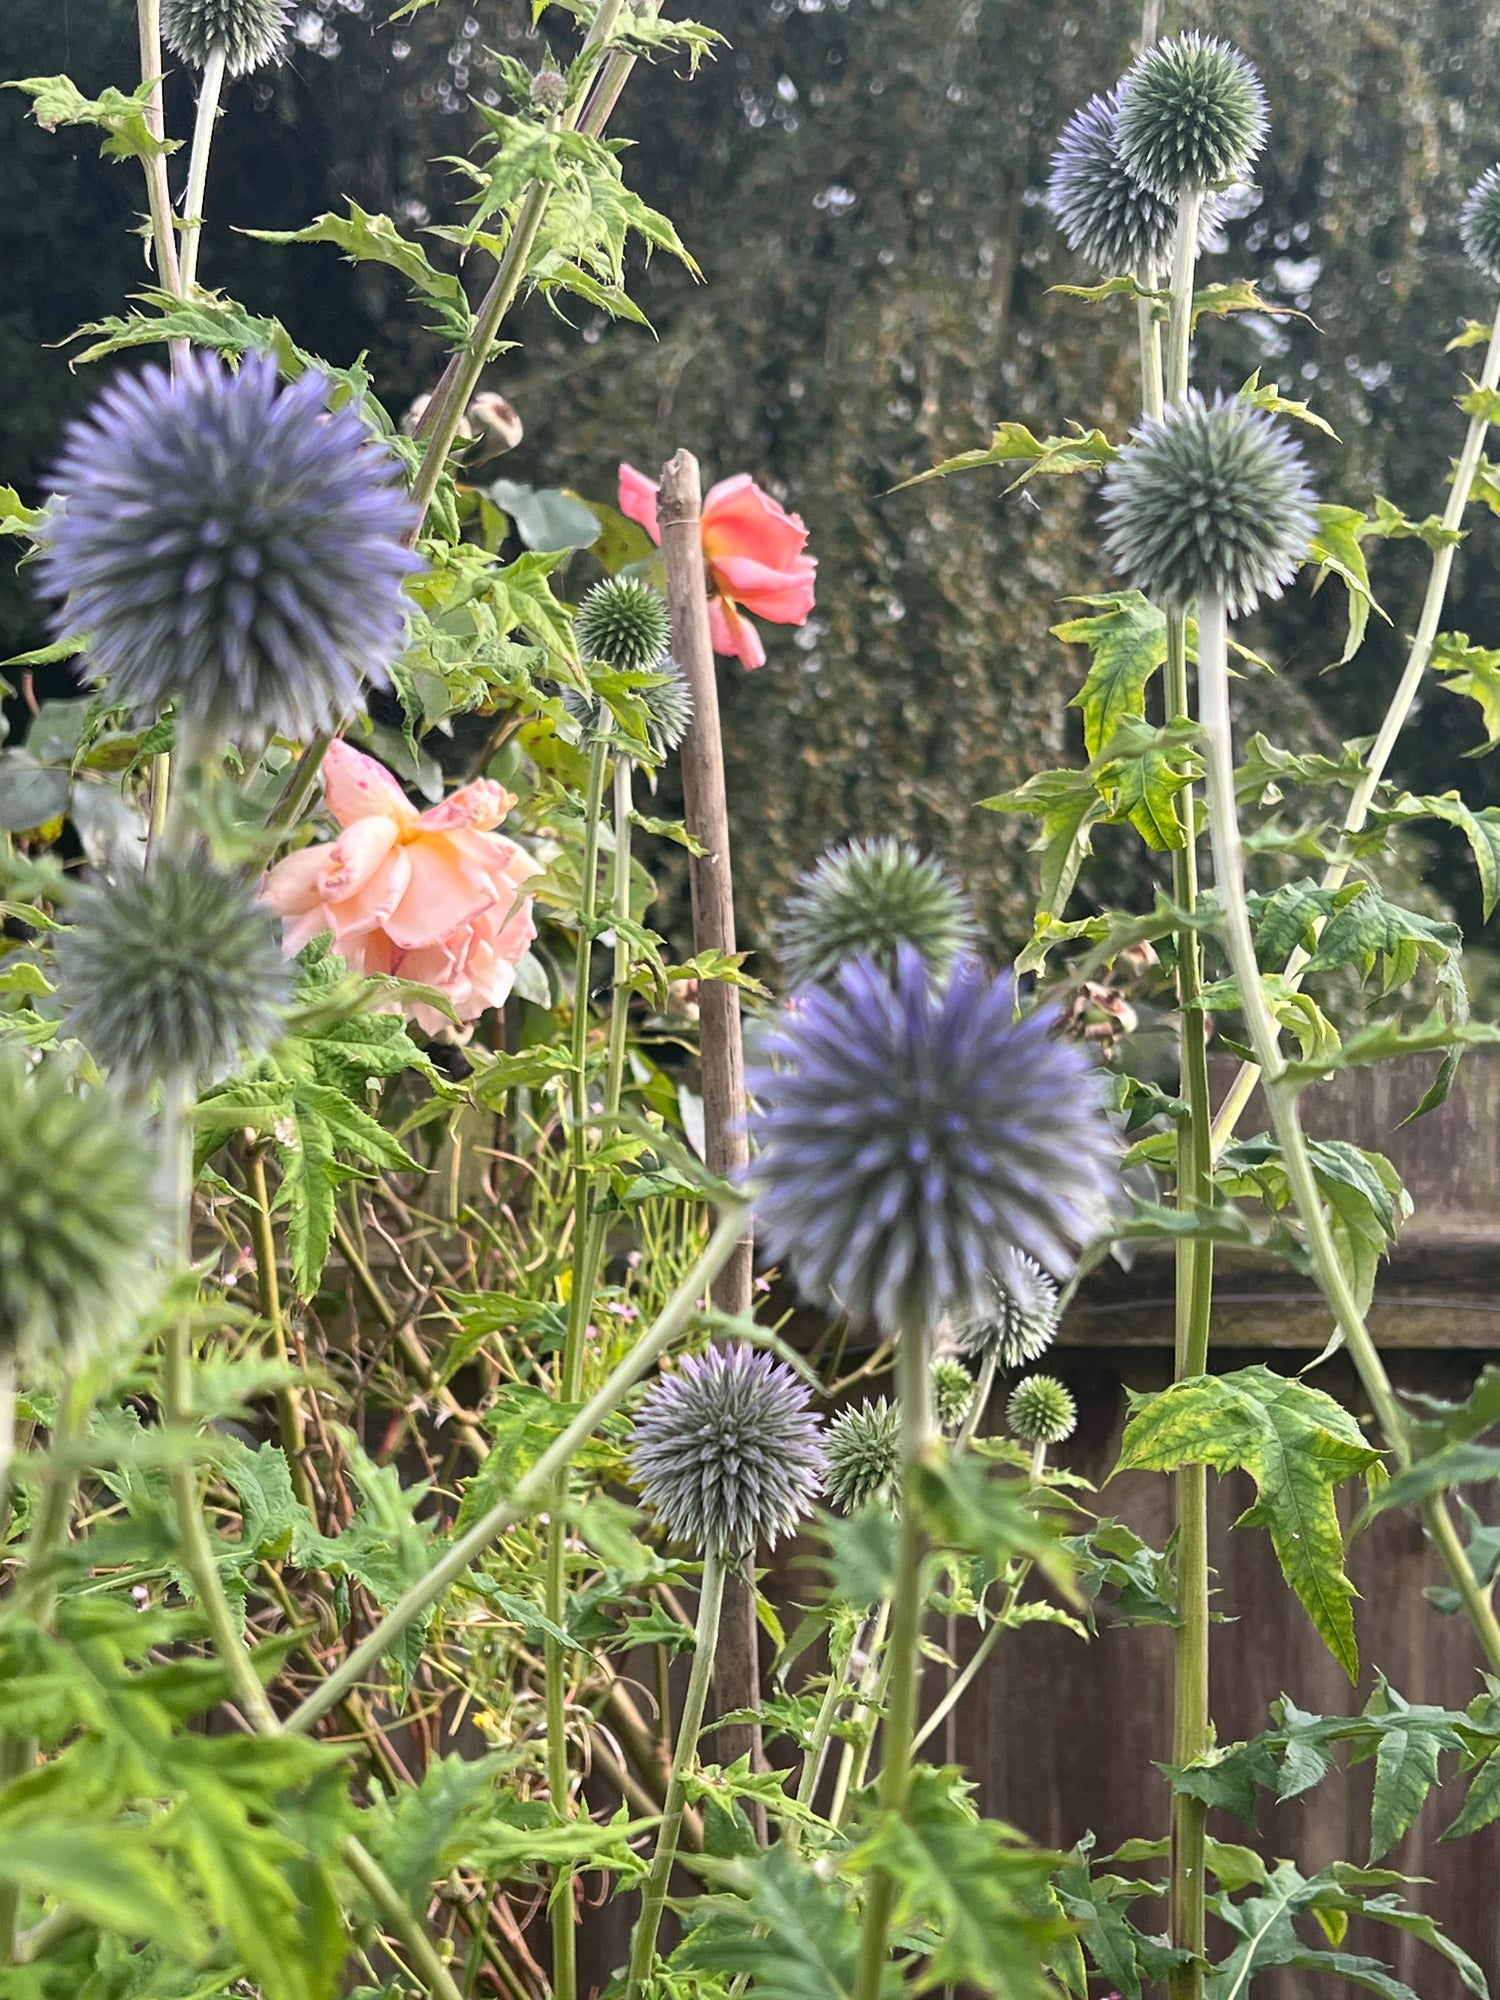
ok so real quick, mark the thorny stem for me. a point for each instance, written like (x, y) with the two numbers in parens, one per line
(158, 193)
(654, 1896)
(1194, 1261)
(1229, 875)
(210, 89)
(908, 1598)
(1407, 689)
(533, 1488)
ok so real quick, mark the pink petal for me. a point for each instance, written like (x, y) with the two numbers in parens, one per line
(783, 596)
(356, 786)
(442, 894)
(638, 500)
(371, 881)
(734, 635)
(294, 885)
(481, 804)
(302, 930)
(741, 518)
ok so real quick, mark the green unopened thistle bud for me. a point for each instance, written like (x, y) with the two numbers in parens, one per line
(1192, 115)
(863, 1448)
(1479, 225)
(249, 32)
(176, 973)
(78, 1221)
(1041, 1411)
(549, 90)
(624, 623)
(952, 1393)
(868, 898)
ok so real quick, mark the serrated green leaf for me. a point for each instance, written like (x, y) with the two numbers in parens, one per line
(1298, 1445)
(1267, 396)
(1335, 548)
(366, 238)
(57, 100)
(1069, 806)
(1012, 443)
(1127, 636)
(1473, 671)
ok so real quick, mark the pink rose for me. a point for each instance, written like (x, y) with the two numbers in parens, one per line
(756, 556)
(435, 897)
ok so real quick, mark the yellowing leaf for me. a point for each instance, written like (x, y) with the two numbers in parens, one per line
(1128, 639)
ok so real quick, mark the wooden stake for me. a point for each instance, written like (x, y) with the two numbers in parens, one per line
(706, 812)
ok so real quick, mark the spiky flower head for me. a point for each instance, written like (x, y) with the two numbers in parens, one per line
(249, 32)
(173, 973)
(864, 1454)
(727, 1452)
(1210, 500)
(624, 623)
(868, 898)
(1479, 225)
(667, 701)
(952, 1393)
(1103, 211)
(549, 90)
(232, 550)
(78, 1220)
(1041, 1411)
(909, 1131)
(1192, 115)
(1020, 1319)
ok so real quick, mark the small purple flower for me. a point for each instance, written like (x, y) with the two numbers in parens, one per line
(231, 550)
(911, 1134)
(727, 1452)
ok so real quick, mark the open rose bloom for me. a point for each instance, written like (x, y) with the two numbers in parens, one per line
(436, 896)
(756, 556)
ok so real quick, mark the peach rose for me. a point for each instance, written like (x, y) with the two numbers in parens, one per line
(755, 552)
(435, 896)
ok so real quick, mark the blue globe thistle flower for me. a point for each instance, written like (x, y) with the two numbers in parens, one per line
(249, 32)
(867, 898)
(78, 1218)
(231, 550)
(727, 1452)
(1210, 500)
(909, 1132)
(1479, 225)
(1041, 1410)
(1020, 1322)
(864, 1454)
(1192, 115)
(624, 623)
(175, 973)
(1103, 211)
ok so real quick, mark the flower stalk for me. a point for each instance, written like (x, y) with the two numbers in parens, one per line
(210, 91)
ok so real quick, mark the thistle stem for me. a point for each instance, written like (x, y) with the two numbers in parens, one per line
(402, 1920)
(289, 1410)
(1148, 330)
(1184, 266)
(535, 1486)
(908, 1598)
(158, 192)
(619, 1020)
(210, 90)
(1229, 875)
(654, 1896)
(851, 1773)
(1407, 689)
(586, 1249)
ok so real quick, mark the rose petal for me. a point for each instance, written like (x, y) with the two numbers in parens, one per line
(363, 897)
(442, 894)
(638, 500)
(294, 885)
(734, 635)
(783, 596)
(481, 804)
(356, 786)
(741, 518)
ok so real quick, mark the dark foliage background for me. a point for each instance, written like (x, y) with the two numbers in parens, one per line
(860, 181)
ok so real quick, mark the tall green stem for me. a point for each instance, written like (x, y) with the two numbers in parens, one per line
(403, 1921)
(158, 192)
(1194, 1261)
(210, 90)
(1229, 875)
(654, 1896)
(535, 1487)
(851, 1772)
(1407, 690)
(619, 1020)
(1148, 333)
(908, 1600)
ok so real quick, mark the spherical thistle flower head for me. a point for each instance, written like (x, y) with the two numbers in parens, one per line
(232, 550)
(864, 1454)
(952, 1393)
(668, 703)
(868, 898)
(178, 972)
(1103, 211)
(1192, 115)
(1020, 1321)
(78, 1221)
(623, 622)
(909, 1131)
(727, 1452)
(1041, 1411)
(250, 32)
(1479, 225)
(1210, 500)
(549, 90)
